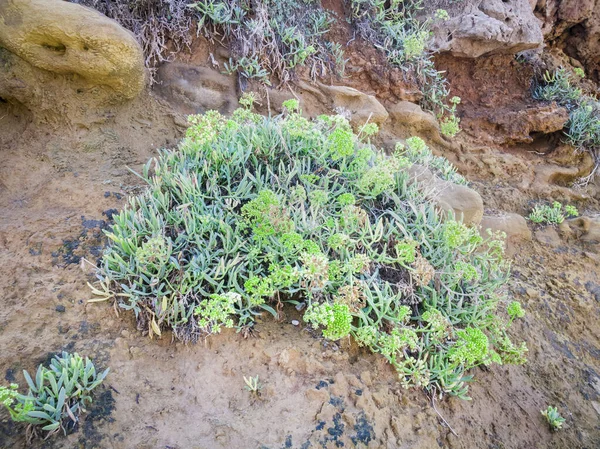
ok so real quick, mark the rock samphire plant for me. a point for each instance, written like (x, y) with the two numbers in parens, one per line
(251, 212)
(57, 394)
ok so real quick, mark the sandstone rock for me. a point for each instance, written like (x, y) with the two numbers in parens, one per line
(340, 385)
(290, 358)
(67, 39)
(362, 107)
(465, 203)
(513, 225)
(548, 236)
(381, 398)
(459, 200)
(549, 174)
(194, 89)
(550, 180)
(487, 27)
(353, 381)
(366, 378)
(313, 101)
(349, 419)
(518, 126)
(35, 90)
(410, 116)
(327, 413)
(583, 228)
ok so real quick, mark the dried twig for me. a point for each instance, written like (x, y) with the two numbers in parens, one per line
(440, 415)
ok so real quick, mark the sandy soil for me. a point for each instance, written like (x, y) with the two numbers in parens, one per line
(58, 191)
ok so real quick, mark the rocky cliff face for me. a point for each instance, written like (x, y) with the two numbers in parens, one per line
(487, 27)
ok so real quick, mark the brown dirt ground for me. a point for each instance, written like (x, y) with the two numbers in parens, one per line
(58, 190)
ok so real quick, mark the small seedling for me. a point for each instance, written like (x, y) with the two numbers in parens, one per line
(579, 72)
(553, 417)
(571, 211)
(253, 385)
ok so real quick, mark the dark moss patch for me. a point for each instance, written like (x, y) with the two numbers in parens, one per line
(99, 412)
(110, 213)
(364, 430)
(89, 243)
(335, 432)
(10, 375)
(288, 442)
(49, 356)
(337, 402)
(322, 384)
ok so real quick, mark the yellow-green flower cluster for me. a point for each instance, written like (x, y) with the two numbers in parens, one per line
(217, 311)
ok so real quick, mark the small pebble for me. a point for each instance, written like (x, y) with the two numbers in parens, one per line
(60, 309)
(295, 322)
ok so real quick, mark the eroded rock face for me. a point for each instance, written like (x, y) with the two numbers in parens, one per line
(194, 89)
(557, 16)
(412, 117)
(69, 39)
(573, 25)
(486, 27)
(496, 104)
(519, 126)
(584, 228)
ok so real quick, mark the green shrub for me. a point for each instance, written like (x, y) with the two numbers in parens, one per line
(557, 87)
(56, 397)
(449, 124)
(579, 72)
(583, 128)
(266, 37)
(251, 212)
(555, 421)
